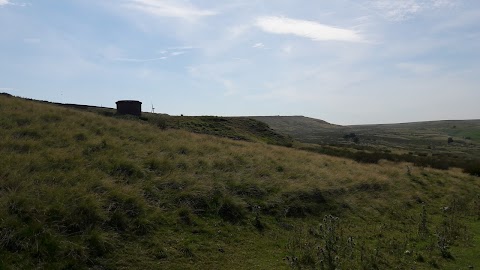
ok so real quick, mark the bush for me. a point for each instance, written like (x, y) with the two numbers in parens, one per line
(364, 157)
(161, 123)
(231, 210)
(473, 168)
(302, 203)
(441, 164)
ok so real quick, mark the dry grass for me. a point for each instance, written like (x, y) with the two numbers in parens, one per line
(78, 190)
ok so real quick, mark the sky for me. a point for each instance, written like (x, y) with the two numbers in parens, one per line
(342, 61)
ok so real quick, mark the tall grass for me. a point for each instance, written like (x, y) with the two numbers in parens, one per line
(79, 190)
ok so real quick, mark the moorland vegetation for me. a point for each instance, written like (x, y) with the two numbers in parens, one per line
(81, 190)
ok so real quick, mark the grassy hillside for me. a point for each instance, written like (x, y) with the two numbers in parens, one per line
(236, 128)
(294, 124)
(79, 190)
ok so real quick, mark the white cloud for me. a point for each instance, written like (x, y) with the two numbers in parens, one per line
(182, 48)
(396, 10)
(139, 60)
(8, 2)
(177, 53)
(174, 51)
(307, 29)
(258, 45)
(169, 8)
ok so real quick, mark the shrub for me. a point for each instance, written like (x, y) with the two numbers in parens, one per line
(441, 164)
(473, 168)
(364, 157)
(161, 123)
(302, 203)
(231, 210)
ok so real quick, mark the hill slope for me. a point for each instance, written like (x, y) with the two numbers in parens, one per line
(318, 131)
(237, 128)
(296, 126)
(79, 190)
(453, 143)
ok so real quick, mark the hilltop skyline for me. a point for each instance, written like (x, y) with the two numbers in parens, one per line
(345, 62)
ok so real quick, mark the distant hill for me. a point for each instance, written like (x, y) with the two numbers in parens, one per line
(419, 136)
(299, 127)
(294, 123)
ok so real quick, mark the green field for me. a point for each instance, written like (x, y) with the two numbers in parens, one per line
(84, 189)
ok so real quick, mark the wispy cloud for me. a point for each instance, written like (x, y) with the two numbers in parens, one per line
(182, 48)
(307, 29)
(139, 60)
(8, 2)
(169, 8)
(258, 45)
(177, 53)
(176, 50)
(396, 10)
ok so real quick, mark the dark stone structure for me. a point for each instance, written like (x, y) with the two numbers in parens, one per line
(131, 107)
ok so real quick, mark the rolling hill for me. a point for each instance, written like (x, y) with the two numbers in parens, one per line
(317, 131)
(451, 143)
(86, 190)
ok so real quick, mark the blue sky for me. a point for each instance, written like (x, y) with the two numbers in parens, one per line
(343, 61)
